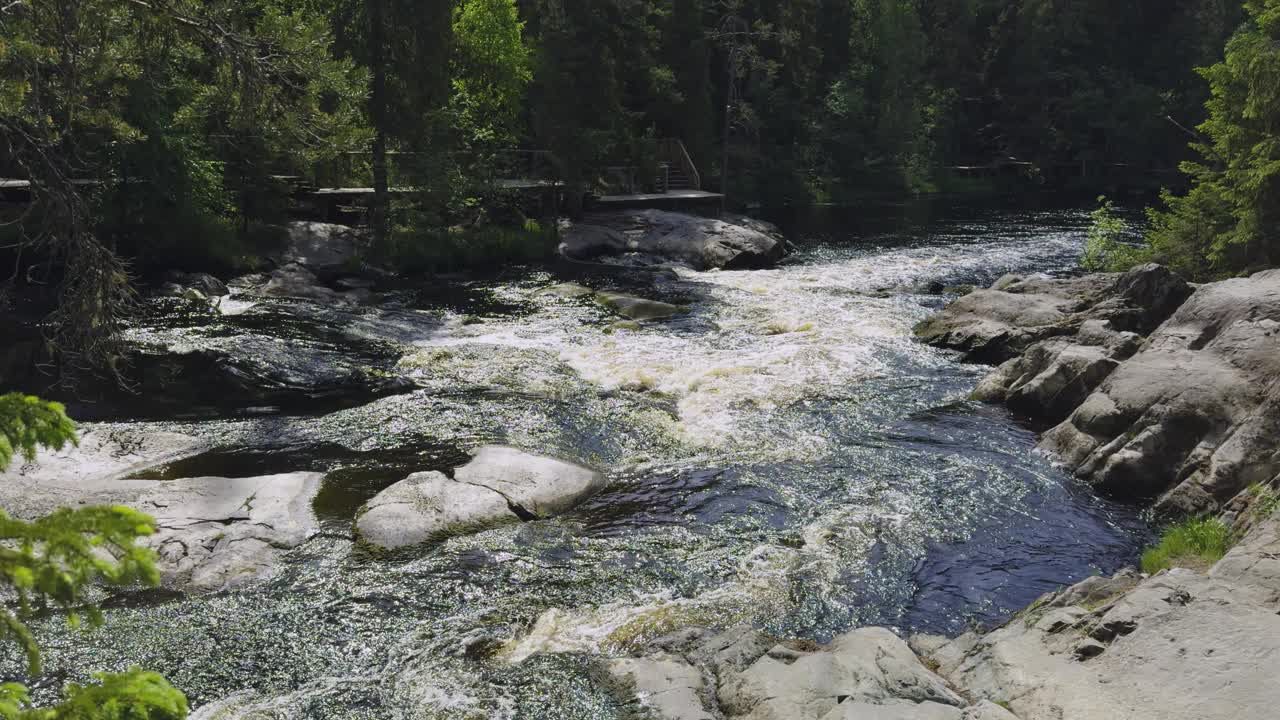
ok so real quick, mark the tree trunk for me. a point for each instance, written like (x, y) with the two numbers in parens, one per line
(378, 111)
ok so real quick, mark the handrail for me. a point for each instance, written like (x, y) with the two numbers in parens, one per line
(674, 149)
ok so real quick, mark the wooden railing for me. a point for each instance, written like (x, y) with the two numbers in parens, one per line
(673, 151)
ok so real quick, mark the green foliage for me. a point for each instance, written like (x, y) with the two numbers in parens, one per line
(135, 695)
(1265, 500)
(55, 560)
(461, 248)
(1194, 544)
(27, 423)
(1225, 225)
(491, 70)
(1109, 247)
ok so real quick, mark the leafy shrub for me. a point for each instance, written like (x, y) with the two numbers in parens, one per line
(1265, 500)
(1195, 544)
(486, 246)
(1108, 248)
(55, 560)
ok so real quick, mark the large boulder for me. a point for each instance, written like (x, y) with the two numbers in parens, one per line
(656, 235)
(325, 249)
(867, 666)
(500, 486)
(1000, 323)
(1196, 410)
(867, 674)
(1177, 646)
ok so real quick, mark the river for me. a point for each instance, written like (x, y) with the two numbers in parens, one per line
(783, 454)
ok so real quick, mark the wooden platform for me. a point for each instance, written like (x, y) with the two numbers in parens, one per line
(673, 199)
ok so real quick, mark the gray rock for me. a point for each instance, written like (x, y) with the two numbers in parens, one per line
(499, 486)
(670, 686)
(177, 283)
(702, 243)
(1196, 410)
(1177, 646)
(635, 308)
(568, 291)
(1000, 323)
(217, 534)
(212, 534)
(538, 485)
(871, 665)
(429, 506)
(1255, 563)
(326, 250)
(894, 710)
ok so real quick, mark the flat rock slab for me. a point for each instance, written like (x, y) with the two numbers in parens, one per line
(217, 534)
(212, 534)
(500, 486)
(1177, 646)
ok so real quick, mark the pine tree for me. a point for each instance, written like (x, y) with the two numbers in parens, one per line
(1226, 223)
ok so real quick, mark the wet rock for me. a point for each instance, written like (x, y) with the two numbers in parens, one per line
(1178, 645)
(208, 285)
(429, 506)
(567, 291)
(1196, 412)
(871, 666)
(537, 485)
(701, 243)
(587, 241)
(217, 534)
(1000, 323)
(499, 486)
(668, 685)
(324, 249)
(299, 282)
(635, 308)
(211, 533)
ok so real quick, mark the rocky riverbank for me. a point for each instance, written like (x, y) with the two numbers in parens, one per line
(1161, 392)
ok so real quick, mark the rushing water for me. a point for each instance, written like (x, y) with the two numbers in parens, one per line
(785, 454)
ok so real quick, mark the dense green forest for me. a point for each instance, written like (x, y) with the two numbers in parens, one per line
(168, 133)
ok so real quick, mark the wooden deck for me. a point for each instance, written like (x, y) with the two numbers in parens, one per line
(672, 199)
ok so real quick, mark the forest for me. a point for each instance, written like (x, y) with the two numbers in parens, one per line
(152, 135)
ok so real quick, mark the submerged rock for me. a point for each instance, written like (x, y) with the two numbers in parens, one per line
(636, 308)
(500, 486)
(656, 235)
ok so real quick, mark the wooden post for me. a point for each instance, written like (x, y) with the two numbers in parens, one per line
(378, 109)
